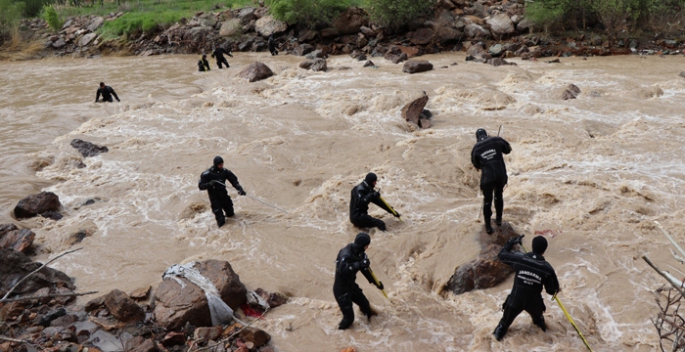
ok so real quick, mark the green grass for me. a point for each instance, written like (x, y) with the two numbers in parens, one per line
(146, 15)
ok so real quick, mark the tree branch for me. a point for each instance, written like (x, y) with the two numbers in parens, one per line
(35, 271)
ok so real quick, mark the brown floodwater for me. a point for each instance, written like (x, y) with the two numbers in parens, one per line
(591, 174)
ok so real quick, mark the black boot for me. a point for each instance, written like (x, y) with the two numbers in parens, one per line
(541, 324)
(344, 324)
(499, 334)
(488, 227)
(498, 221)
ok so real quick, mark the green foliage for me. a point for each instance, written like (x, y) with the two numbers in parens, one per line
(50, 16)
(396, 13)
(33, 8)
(135, 22)
(307, 12)
(10, 15)
(545, 14)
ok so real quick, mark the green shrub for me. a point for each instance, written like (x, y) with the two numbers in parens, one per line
(10, 15)
(307, 12)
(545, 14)
(135, 22)
(33, 8)
(396, 13)
(50, 16)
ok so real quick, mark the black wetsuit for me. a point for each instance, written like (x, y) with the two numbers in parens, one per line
(106, 93)
(532, 273)
(345, 289)
(272, 46)
(362, 195)
(218, 197)
(219, 55)
(203, 65)
(486, 156)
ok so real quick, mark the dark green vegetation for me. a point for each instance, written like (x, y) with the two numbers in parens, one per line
(614, 17)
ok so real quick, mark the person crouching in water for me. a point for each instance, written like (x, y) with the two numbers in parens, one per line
(350, 260)
(362, 195)
(214, 181)
(532, 273)
(203, 64)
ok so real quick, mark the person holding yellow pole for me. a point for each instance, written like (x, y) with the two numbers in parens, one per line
(532, 273)
(352, 259)
(361, 196)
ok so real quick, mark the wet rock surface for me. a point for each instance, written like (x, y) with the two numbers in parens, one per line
(37, 204)
(256, 71)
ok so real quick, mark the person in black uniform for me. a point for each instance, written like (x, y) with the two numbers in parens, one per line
(486, 156)
(350, 260)
(203, 64)
(362, 195)
(272, 46)
(214, 181)
(218, 53)
(532, 273)
(106, 92)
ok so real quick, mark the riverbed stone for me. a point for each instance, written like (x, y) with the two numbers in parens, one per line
(412, 111)
(230, 27)
(88, 149)
(175, 305)
(18, 240)
(36, 204)
(257, 336)
(422, 36)
(501, 25)
(315, 65)
(486, 270)
(416, 66)
(571, 92)
(256, 71)
(122, 307)
(349, 21)
(95, 23)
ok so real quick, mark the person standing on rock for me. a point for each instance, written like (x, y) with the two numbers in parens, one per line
(203, 64)
(486, 156)
(214, 181)
(351, 259)
(272, 45)
(106, 92)
(218, 53)
(362, 195)
(532, 273)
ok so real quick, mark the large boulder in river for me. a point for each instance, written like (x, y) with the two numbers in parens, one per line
(412, 111)
(177, 304)
(16, 265)
(18, 239)
(37, 204)
(487, 270)
(256, 71)
(303, 49)
(416, 66)
(315, 65)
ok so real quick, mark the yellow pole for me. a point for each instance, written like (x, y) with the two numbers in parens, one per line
(375, 279)
(391, 208)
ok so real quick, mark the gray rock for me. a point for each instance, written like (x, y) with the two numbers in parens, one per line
(422, 36)
(315, 55)
(501, 25)
(86, 39)
(303, 49)
(88, 149)
(496, 50)
(475, 31)
(416, 66)
(36, 204)
(268, 25)
(246, 15)
(369, 64)
(316, 65)
(95, 23)
(633, 44)
(256, 71)
(59, 43)
(524, 25)
(17, 240)
(307, 35)
(350, 21)
(230, 27)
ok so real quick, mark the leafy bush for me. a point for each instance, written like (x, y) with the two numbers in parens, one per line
(10, 15)
(134, 22)
(307, 12)
(396, 13)
(33, 8)
(50, 16)
(545, 14)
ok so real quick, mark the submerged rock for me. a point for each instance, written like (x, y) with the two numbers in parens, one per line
(36, 204)
(416, 66)
(256, 71)
(412, 111)
(571, 92)
(87, 148)
(314, 65)
(487, 270)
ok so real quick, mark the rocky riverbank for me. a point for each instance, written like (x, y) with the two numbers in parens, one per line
(499, 26)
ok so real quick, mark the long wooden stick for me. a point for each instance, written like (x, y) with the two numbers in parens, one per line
(9, 339)
(675, 284)
(74, 294)
(680, 249)
(35, 271)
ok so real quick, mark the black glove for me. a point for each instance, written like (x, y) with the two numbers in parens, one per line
(242, 192)
(376, 194)
(365, 263)
(397, 215)
(118, 101)
(380, 285)
(517, 240)
(213, 183)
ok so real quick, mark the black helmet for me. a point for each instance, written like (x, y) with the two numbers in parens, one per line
(218, 160)
(362, 240)
(370, 178)
(539, 245)
(481, 134)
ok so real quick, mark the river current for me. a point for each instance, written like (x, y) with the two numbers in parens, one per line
(591, 174)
